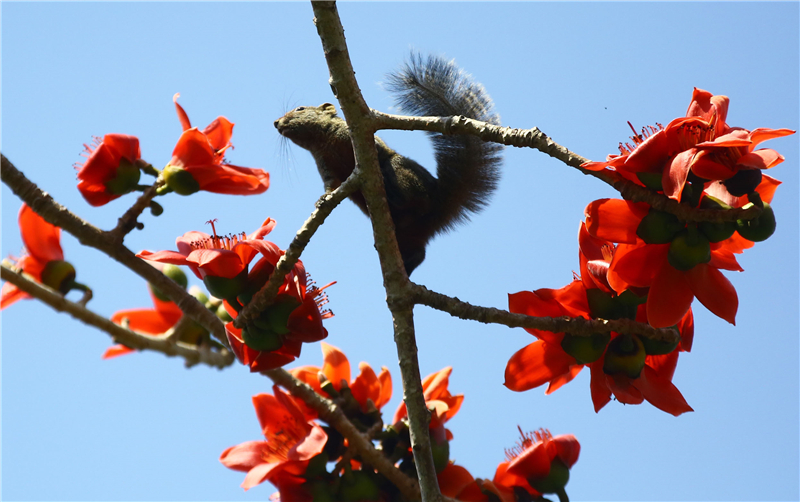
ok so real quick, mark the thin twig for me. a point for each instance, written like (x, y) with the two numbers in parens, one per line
(324, 207)
(89, 235)
(128, 221)
(575, 326)
(127, 337)
(535, 138)
(333, 415)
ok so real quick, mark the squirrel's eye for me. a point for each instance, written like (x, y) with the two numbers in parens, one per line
(300, 108)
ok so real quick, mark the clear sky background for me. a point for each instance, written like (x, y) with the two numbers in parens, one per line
(142, 427)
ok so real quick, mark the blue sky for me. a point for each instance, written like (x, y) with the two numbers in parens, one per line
(142, 427)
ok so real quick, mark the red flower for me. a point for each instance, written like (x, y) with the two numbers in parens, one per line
(223, 257)
(554, 357)
(366, 387)
(542, 460)
(150, 321)
(437, 396)
(42, 258)
(673, 285)
(110, 170)
(529, 463)
(294, 317)
(222, 262)
(198, 161)
(291, 441)
(701, 142)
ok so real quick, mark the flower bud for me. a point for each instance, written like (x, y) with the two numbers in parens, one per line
(358, 486)
(653, 181)
(126, 178)
(658, 227)
(555, 481)
(59, 275)
(655, 347)
(585, 349)
(625, 355)
(261, 339)
(179, 180)
(175, 273)
(743, 182)
(758, 229)
(223, 287)
(688, 249)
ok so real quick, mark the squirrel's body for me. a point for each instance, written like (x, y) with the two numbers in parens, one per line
(421, 205)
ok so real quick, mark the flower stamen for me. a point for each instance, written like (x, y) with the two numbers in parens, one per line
(527, 440)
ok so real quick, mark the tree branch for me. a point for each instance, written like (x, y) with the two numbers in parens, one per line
(534, 138)
(89, 235)
(362, 132)
(127, 337)
(576, 326)
(324, 207)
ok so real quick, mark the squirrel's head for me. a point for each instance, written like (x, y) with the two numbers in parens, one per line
(311, 126)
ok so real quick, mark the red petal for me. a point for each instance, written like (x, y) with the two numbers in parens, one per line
(11, 294)
(624, 390)
(230, 179)
(272, 415)
(615, 220)
(96, 195)
(305, 323)
(116, 351)
(674, 176)
(661, 392)
(533, 462)
(636, 265)
(535, 365)
(601, 394)
(686, 329)
(219, 133)
(714, 291)
(564, 378)
(144, 320)
(243, 457)
(185, 123)
(192, 150)
(41, 239)
(385, 379)
(568, 448)
(453, 479)
(669, 298)
(336, 366)
(260, 473)
(124, 146)
(217, 262)
(760, 159)
(310, 446)
(366, 386)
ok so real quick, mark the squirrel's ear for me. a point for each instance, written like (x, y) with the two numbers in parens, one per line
(328, 108)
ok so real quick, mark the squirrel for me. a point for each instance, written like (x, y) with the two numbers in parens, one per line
(421, 205)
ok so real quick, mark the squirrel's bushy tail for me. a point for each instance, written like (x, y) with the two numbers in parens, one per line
(467, 167)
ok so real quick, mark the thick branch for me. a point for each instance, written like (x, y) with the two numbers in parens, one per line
(534, 138)
(395, 280)
(325, 206)
(576, 326)
(127, 337)
(89, 235)
(333, 415)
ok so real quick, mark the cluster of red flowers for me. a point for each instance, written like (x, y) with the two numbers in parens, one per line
(114, 164)
(647, 265)
(297, 450)
(223, 264)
